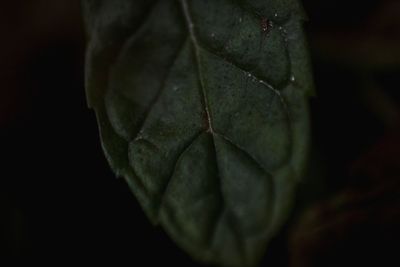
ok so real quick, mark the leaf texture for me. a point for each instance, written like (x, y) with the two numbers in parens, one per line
(202, 108)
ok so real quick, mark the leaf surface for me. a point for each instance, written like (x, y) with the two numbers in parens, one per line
(202, 107)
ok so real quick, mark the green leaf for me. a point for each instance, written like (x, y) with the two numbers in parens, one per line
(202, 108)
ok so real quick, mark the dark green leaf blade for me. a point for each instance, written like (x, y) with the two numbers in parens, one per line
(202, 107)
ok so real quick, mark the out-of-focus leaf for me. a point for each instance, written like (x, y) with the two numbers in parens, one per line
(372, 45)
(359, 225)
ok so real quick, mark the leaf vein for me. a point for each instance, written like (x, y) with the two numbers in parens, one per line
(244, 152)
(180, 157)
(147, 112)
(196, 46)
(258, 164)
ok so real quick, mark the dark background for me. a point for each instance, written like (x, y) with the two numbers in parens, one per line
(59, 201)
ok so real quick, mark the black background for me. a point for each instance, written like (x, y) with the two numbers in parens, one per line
(59, 200)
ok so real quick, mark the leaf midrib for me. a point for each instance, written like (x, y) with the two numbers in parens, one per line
(196, 47)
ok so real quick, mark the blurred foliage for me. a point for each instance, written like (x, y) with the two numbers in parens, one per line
(356, 223)
(359, 224)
